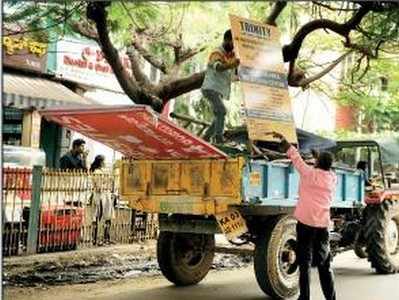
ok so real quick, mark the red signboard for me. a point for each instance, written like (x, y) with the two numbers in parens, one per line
(135, 131)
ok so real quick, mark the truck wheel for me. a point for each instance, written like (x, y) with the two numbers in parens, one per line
(275, 263)
(382, 236)
(185, 258)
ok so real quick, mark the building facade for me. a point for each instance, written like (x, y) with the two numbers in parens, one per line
(27, 88)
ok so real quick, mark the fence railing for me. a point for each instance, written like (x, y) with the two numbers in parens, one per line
(17, 193)
(50, 210)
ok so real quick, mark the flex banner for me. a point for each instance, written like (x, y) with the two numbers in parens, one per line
(267, 104)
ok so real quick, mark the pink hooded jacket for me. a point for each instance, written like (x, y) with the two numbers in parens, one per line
(316, 192)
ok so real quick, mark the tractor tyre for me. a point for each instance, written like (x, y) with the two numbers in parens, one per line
(382, 236)
(359, 246)
(185, 258)
(360, 251)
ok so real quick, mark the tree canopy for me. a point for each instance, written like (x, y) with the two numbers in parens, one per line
(174, 37)
(375, 97)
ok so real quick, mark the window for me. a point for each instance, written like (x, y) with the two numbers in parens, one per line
(12, 126)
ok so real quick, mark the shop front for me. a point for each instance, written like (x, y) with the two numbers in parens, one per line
(82, 62)
(27, 88)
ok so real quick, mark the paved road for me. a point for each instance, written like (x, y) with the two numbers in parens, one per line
(354, 281)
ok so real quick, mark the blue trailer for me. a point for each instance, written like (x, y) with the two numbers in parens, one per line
(278, 185)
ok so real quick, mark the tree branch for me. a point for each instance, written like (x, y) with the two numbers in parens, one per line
(122, 3)
(86, 30)
(189, 53)
(366, 69)
(181, 86)
(177, 48)
(331, 7)
(379, 6)
(136, 68)
(290, 51)
(96, 11)
(301, 81)
(180, 54)
(377, 48)
(359, 48)
(278, 7)
(155, 62)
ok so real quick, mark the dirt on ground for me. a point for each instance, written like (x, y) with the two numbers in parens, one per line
(75, 291)
(94, 265)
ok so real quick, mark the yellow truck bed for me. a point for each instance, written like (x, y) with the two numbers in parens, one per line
(197, 187)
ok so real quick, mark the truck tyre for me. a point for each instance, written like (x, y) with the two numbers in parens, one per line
(185, 258)
(382, 236)
(276, 269)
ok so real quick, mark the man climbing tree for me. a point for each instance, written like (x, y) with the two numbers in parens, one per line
(217, 83)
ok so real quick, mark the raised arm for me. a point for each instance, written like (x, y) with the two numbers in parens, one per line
(293, 154)
(298, 162)
(216, 61)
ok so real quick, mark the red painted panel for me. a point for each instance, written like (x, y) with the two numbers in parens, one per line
(345, 117)
(135, 131)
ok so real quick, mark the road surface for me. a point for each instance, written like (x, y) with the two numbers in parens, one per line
(354, 281)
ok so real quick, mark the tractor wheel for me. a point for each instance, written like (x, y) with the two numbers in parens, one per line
(382, 236)
(360, 251)
(359, 246)
(185, 258)
(275, 263)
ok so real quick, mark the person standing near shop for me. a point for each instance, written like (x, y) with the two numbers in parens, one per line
(75, 159)
(101, 199)
(317, 187)
(220, 71)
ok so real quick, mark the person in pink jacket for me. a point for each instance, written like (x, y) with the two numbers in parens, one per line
(317, 187)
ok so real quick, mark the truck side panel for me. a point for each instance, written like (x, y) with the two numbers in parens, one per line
(198, 187)
(209, 186)
(276, 184)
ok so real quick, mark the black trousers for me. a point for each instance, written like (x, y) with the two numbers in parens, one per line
(313, 246)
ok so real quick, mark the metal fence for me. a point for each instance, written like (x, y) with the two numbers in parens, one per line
(49, 210)
(17, 192)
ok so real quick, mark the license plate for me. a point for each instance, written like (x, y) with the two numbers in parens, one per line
(232, 224)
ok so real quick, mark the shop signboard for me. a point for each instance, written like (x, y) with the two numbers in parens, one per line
(84, 62)
(24, 52)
